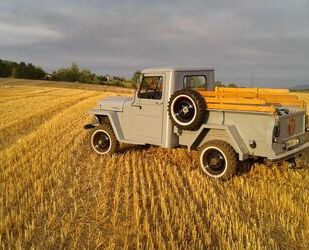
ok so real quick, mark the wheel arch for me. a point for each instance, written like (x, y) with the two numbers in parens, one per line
(228, 134)
(112, 117)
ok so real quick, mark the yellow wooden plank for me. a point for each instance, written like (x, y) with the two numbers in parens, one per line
(269, 109)
(234, 100)
(253, 90)
(208, 93)
(299, 103)
(266, 96)
(240, 94)
(275, 91)
(227, 95)
(278, 97)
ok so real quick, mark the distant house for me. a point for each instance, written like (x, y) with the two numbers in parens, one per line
(109, 78)
(48, 77)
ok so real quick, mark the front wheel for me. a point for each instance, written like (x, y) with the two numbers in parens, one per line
(103, 140)
(218, 159)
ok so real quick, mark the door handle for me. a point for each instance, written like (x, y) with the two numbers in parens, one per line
(159, 102)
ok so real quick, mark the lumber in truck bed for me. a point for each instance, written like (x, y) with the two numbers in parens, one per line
(250, 99)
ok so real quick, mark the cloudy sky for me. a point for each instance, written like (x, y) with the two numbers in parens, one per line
(266, 38)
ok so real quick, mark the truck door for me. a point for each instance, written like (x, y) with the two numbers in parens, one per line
(143, 119)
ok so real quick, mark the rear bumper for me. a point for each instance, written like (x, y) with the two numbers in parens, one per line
(289, 154)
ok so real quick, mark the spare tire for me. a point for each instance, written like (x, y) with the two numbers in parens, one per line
(187, 109)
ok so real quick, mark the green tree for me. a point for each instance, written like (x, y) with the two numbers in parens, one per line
(232, 85)
(70, 74)
(20, 70)
(135, 78)
(75, 74)
(86, 76)
(28, 71)
(39, 73)
(219, 84)
(5, 69)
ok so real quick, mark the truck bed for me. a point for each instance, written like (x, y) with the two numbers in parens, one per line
(250, 99)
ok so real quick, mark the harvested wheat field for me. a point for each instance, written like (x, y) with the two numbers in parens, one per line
(55, 193)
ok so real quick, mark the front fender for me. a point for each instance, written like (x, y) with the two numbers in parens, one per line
(113, 119)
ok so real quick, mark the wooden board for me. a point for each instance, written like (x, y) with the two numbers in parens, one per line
(234, 100)
(250, 99)
(297, 103)
(253, 90)
(268, 109)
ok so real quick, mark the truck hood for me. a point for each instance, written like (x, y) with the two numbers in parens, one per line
(114, 103)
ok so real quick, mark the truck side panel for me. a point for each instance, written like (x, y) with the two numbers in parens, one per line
(211, 132)
(239, 129)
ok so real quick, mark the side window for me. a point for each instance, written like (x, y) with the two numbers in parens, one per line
(195, 82)
(151, 87)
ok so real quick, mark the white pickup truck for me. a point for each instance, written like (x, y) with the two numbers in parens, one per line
(175, 107)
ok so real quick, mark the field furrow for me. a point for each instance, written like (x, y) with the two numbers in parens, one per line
(17, 110)
(22, 127)
(45, 171)
(56, 193)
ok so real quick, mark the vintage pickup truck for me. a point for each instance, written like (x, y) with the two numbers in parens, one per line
(175, 107)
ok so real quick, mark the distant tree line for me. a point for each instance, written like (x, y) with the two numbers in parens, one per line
(75, 74)
(230, 85)
(72, 73)
(21, 70)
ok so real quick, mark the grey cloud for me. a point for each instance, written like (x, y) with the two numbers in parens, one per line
(268, 38)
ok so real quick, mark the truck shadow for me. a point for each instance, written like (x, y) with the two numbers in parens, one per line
(126, 148)
(243, 168)
(247, 166)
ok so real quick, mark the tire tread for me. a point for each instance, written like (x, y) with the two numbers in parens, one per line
(230, 155)
(200, 106)
(115, 143)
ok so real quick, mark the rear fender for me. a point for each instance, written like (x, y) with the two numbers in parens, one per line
(229, 134)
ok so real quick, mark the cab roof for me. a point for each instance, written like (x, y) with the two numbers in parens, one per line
(171, 69)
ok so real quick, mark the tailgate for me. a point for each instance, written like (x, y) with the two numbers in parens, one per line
(291, 124)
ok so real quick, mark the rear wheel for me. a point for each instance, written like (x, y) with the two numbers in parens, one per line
(218, 159)
(103, 140)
